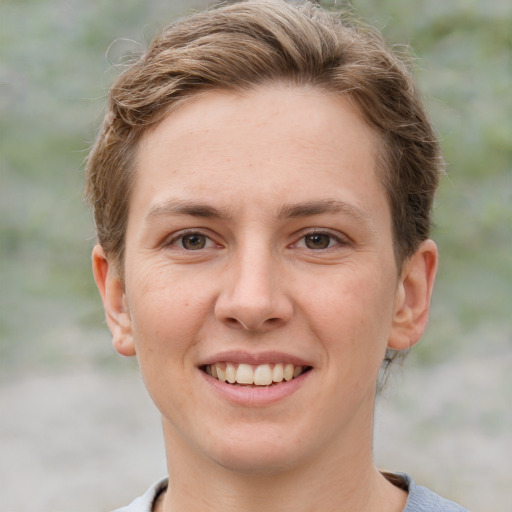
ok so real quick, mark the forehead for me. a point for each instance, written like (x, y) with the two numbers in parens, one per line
(268, 146)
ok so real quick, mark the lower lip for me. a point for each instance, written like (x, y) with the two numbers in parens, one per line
(253, 396)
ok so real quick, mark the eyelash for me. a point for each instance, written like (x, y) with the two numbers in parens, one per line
(339, 240)
(178, 240)
(175, 240)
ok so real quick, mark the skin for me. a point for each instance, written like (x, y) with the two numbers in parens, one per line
(257, 178)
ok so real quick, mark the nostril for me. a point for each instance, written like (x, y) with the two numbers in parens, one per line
(233, 322)
(236, 323)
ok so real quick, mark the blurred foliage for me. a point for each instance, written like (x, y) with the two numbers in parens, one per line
(463, 63)
(58, 58)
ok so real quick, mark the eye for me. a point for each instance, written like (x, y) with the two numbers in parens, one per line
(319, 240)
(192, 241)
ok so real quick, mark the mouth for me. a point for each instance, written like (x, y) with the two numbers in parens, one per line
(242, 374)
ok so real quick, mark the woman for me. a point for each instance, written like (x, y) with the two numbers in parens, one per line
(262, 187)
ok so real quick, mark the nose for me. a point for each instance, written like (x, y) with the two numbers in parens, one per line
(254, 294)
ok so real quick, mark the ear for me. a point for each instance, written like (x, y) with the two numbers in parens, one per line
(111, 289)
(412, 302)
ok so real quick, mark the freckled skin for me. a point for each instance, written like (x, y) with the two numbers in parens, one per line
(256, 286)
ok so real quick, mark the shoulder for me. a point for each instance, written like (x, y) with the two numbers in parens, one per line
(145, 502)
(422, 499)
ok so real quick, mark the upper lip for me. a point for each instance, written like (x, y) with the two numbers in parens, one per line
(244, 357)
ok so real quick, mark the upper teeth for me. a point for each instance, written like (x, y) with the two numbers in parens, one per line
(260, 375)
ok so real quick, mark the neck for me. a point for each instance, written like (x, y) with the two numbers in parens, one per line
(342, 480)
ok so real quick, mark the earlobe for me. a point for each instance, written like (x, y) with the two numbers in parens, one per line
(117, 314)
(412, 301)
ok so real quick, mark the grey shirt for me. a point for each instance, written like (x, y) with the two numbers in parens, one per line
(420, 498)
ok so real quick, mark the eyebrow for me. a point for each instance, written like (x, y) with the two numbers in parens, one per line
(321, 207)
(180, 207)
(305, 209)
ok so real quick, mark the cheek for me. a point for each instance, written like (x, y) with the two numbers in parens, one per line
(167, 318)
(167, 311)
(352, 312)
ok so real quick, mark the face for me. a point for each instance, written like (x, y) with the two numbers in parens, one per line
(260, 288)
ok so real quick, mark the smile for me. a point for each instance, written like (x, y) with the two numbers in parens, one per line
(256, 375)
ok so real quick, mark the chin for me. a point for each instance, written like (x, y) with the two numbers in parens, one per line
(257, 454)
(250, 462)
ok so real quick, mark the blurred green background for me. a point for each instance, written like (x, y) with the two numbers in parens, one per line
(58, 57)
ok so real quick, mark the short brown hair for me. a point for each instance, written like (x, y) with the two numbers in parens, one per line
(241, 45)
